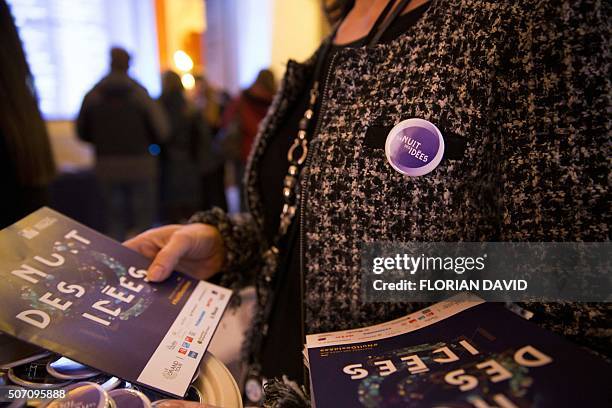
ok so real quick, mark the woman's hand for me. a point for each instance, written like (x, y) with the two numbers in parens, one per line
(194, 249)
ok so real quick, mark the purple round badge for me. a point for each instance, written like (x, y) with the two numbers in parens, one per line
(414, 147)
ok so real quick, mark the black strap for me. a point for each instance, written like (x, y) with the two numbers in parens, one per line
(394, 14)
(381, 18)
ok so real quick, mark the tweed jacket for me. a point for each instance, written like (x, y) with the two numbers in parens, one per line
(524, 84)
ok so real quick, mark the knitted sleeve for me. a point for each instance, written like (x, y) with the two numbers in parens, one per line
(243, 245)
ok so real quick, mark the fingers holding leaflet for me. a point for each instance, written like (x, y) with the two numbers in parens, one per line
(194, 249)
(150, 242)
(166, 259)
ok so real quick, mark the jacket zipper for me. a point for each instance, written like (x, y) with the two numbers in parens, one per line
(303, 189)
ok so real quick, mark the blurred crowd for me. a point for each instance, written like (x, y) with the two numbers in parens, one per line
(160, 161)
(157, 161)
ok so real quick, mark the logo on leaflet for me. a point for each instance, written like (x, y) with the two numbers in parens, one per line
(200, 318)
(36, 229)
(183, 351)
(186, 345)
(172, 345)
(189, 339)
(28, 233)
(172, 371)
(193, 354)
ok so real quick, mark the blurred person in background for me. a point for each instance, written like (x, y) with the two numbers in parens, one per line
(241, 121)
(26, 162)
(211, 101)
(211, 104)
(180, 172)
(122, 122)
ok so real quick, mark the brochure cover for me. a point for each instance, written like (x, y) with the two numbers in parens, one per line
(459, 353)
(73, 291)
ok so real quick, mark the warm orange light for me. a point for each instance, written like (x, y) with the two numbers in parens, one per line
(182, 61)
(188, 81)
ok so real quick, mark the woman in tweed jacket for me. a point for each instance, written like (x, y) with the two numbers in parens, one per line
(524, 86)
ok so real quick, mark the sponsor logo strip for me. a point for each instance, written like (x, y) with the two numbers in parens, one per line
(171, 368)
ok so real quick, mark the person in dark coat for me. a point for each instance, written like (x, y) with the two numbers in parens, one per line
(180, 170)
(241, 121)
(122, 122)
(211, 104)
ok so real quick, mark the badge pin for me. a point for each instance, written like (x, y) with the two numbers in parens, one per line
(414, 147)
(66, 369)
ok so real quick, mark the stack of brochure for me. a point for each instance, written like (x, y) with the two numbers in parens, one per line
(463, 352)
